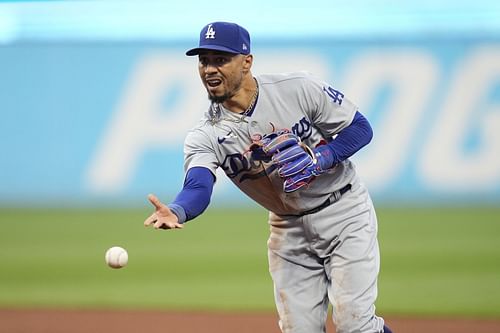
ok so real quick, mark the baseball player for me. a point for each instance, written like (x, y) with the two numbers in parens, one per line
(285, 141)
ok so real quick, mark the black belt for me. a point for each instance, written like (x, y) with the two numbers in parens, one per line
(333, 198)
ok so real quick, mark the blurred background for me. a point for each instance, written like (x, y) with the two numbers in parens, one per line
(97, 96)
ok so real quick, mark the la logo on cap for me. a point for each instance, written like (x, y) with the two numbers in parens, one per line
(210, 32)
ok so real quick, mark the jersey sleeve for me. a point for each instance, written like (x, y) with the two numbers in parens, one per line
(199, 151)
(331, 111)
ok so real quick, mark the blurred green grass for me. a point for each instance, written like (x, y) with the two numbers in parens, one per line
(435, 262)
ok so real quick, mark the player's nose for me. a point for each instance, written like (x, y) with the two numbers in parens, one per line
(209, 68)
(209, 71)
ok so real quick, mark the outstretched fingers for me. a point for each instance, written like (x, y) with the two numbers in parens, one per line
(167, 225)
(162, 218)
(155, 201)
(150, 220)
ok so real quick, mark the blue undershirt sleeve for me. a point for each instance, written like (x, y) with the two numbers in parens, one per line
(351, 139)
(195, 195)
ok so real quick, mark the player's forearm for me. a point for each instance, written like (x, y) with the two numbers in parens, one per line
(351, 139)
(195, 194)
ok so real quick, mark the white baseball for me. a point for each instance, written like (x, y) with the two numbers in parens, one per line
(116, 257)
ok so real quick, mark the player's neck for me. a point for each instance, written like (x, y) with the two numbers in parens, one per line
(245, 99)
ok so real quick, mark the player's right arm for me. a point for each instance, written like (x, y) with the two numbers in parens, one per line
(200, 163)
(191, 201)
(163, 217)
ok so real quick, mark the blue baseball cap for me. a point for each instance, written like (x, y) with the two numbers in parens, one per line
(223, 36)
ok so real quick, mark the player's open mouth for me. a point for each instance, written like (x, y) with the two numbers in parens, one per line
(214, 82)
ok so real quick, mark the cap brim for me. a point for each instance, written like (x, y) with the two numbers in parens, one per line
(197, 50)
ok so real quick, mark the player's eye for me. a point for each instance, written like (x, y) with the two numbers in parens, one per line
(221, 60)
(213, 61)
(203, 61)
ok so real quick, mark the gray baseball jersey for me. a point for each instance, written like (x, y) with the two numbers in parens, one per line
(311, 109)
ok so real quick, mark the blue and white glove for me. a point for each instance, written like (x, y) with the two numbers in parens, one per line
(304, 169)
(264, 148)
(296, 162)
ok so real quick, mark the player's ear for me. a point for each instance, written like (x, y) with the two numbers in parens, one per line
(247, 62)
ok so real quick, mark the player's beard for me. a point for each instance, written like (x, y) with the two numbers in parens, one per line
(227, 95)
(219, 99)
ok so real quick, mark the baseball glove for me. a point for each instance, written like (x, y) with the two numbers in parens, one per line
(264, 148)
(297, 164)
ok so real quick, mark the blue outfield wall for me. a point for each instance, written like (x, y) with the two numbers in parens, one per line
(103, 123)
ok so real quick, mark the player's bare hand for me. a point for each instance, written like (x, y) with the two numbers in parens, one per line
(162, 218)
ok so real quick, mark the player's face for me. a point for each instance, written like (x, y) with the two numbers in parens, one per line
(222, 74)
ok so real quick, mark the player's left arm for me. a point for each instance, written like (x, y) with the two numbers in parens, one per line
(337, 117)
(299, 164)
(347, 142)
(342, 125)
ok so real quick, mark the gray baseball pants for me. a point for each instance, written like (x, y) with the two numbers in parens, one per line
(329, 257)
